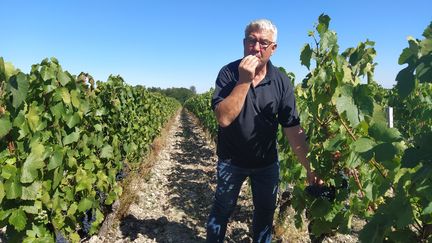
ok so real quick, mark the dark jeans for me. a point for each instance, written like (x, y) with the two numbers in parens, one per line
(264, 183)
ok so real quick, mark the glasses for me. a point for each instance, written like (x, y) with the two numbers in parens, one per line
(264, 44)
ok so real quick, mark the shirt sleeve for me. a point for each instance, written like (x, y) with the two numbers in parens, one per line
(287, 114)
(224, 85)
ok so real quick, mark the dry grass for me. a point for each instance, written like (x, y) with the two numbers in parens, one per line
(141, 171)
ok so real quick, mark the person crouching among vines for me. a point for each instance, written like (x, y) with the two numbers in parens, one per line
(251, 98)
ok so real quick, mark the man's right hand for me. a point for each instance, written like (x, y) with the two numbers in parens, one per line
(313, 179)
(247, 68)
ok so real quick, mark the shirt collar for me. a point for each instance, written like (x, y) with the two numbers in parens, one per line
(270, 75)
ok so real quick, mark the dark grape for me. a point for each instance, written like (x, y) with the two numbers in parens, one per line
(60, 238)
(120, 175)
(101, 196)
(324, 192)
(86, 222)
(344, 184)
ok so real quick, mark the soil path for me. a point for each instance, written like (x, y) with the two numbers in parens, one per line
(173, 205)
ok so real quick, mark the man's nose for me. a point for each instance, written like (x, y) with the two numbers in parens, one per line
(257, 46)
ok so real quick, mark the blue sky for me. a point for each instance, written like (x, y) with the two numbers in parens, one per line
(184, 43)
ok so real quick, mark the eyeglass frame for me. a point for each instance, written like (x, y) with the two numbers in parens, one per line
(250, 41)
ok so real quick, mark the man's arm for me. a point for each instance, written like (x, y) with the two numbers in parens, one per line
(228, 109)
(297, 139)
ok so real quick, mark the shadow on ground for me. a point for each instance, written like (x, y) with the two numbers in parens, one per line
(192, 180)
(159, 229)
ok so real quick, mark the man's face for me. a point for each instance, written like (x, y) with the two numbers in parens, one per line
(259, 44)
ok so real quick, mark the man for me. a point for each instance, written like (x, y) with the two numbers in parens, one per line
(251, 98)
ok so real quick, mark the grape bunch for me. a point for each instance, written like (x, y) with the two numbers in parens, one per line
(59, 237)
(86, 222)
(101, 196)
(123, 172)
(120, 175)
(324, 192)
(344, 184)
(328, 192)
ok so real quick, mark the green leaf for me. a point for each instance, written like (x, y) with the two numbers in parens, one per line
(47, 73)
(85, 204)
(71, 138)
(84, 183)
(72, 120)
(13, 189)
(19, 86)
(2, 192)
(65, 95)
(305, 56)
(353, 160)
(373, 231)
(402, 235)
(19, 119)
(63, 78)
(32, 209)
(31, 192)
(363, 98)
(18, 219)
(427, 210)
(381, 132)
(58, 110)
(320, 226)
(75, 99)
(33, 116)
(72, 209)
(427, 33)
(345, 104)
(334, 143)
(407, 56)
(385, 152)
(75, 237)
(5, 126)
(34, 161)
(424, 69)
(405, 82)
(56, 158)
(6, 70)
(411, 158)
(323, 25)
(58, 176)
(328, 41)
(320, 207)
(362, 145)
(107, 152)
(369, 191)
(8, 171)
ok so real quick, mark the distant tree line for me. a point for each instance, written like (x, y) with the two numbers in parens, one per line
(181, 94)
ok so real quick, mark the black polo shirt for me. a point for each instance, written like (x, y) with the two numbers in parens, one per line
(250, 140)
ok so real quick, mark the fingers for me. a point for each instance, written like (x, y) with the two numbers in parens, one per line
(313, 179)
(250, 60)
(247, 67)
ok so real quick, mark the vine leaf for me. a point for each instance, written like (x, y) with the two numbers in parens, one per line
(18, 219)
(34, 161)
(362, 145)
(5, 126)
(19, 86)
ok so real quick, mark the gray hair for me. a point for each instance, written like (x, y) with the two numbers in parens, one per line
(261, 25)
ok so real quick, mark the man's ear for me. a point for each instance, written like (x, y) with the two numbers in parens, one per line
(274, 47)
